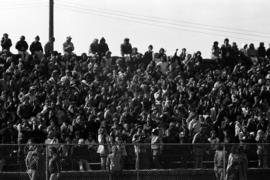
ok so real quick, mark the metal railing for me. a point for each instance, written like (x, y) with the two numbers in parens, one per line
(221, 158)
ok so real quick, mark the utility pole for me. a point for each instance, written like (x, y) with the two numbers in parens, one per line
(51, 17)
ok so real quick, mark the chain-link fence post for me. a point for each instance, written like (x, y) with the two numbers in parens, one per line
(224, 161)
(46, 162)
(137, 162)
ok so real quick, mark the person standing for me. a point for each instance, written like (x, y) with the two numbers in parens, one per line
(102, 47)
(103, 149)
(126, 47)
(156, 148)
(36, 48)
(22, 45)
(68, 46)
(32, 163)
(219, 164)
(6, 42)
(148, 56)
(22, 48)
(261, 150)
(114, 160)
(54, 165)
(232, 170)
(113, 163)
(48, 48)
(199, 149)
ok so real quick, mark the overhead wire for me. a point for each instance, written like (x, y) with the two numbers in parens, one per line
(125, 18)
(178, 22)
(24, 5)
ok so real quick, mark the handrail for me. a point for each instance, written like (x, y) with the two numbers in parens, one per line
(141, 144)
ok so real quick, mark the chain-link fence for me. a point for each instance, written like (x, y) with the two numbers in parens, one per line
(134, 161)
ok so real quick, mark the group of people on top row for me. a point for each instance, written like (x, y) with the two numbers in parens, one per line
(152, 98)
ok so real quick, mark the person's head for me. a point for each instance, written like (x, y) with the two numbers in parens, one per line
(150, 47)
(81, 141)
(102, 40)
(155, 132)
(184, 50)
(261, 44)
(52, 39)
(54, 74)
(37, 38)
(215, 44)
(69, 39)
(101, 130)
(32, 90)
(114, 149)
(22, 38)
(226, 41)
(260, 133)
(95, 41)
(126, 40)
(5, 35)
(251, 46)
(162, 51)
(213, 134)
(134, 50)
(118, 139)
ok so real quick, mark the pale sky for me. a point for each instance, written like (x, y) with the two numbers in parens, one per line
(171, 24)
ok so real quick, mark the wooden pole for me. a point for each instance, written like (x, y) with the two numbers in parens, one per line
(51, 18)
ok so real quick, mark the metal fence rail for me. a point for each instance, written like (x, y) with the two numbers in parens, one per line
(137, 160)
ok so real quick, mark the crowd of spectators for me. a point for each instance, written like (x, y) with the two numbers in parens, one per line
(96, 99)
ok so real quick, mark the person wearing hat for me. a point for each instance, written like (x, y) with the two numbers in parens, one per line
(68, 46)
(54, 164)
(36, 48)
(6, 42)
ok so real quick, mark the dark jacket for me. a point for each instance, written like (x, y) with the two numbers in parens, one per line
(6, 44)
(21, 46)
(102, 48)
(126, 49)
(35, 46)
